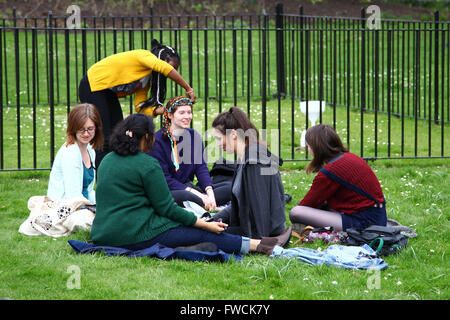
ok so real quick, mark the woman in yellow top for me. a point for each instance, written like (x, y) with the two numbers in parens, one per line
(126, 73)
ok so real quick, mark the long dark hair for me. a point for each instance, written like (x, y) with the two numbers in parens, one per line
(325, 144)
(236, 119)
(158, 80)
(127, 135)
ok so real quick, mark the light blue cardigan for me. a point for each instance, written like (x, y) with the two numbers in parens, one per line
(66, 177)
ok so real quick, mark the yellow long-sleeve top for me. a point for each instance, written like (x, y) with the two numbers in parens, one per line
(127, 73)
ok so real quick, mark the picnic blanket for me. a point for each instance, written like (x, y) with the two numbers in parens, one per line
(348, 257)
(56, 218)
(156, 251)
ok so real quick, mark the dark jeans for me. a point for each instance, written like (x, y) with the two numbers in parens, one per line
(108, 106)
(186, 236)
(222, 193)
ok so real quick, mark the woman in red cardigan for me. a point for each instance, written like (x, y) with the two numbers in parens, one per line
(345, 192)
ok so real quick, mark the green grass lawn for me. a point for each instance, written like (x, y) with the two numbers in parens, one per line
(417, 196)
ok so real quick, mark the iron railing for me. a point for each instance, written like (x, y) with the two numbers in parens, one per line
(386, 90)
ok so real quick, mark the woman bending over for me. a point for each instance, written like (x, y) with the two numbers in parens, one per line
(127, 73)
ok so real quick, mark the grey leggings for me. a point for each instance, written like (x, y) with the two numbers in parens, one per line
(316, 217)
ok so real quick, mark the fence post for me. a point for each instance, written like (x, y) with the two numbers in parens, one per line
(264, 75)
(300, 9)
(17, 69)
(1, 98)
(205, 39)
(66, 43)
(83, 50)
(51, 88)
(190, 55)
(436, 68)
(279, 25)
(151, 23)
(363, 76)
(234, 39)
(34, 54)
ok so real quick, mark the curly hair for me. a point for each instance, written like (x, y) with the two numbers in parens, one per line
(127, 135)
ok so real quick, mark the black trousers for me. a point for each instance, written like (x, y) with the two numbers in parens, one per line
(108, 106)
(222, 194)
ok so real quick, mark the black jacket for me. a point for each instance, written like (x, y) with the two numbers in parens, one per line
(257, 201)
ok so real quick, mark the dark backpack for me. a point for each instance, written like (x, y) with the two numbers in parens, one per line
(222, 171)
(384, 240)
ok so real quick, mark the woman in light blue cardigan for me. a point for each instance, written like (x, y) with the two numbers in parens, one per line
(73, 171)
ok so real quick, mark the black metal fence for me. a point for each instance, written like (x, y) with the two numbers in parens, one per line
(386, 89)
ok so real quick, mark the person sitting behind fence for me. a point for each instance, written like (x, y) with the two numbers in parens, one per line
(257, 202)
(73, 170)
(179, 150)
(136, 210)
(127, 73)
(345, 192)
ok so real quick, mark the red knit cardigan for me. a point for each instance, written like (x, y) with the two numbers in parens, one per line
(353, 169)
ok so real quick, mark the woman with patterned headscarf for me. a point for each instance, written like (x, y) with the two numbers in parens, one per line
(179, 150)
(126, 73)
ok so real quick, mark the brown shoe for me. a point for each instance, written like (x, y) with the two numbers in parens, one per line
(283, 239)
(268, 243)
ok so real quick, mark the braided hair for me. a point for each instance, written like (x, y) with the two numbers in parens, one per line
(171, 107)
(158, 80)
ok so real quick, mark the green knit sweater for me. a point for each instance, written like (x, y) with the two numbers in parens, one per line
(134, 203)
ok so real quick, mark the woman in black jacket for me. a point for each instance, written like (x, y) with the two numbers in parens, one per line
(257, 204)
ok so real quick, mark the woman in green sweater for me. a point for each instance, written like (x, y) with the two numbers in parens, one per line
(136, 210)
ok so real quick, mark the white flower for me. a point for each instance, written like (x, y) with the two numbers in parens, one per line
(399, 282)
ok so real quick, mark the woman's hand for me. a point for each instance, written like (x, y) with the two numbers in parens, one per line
(211, 199)
(214, 227)
(175, 76)
(208, 203)
(191, 95)
(158, 111)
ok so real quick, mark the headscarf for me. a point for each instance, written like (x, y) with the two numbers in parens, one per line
(170, 106)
